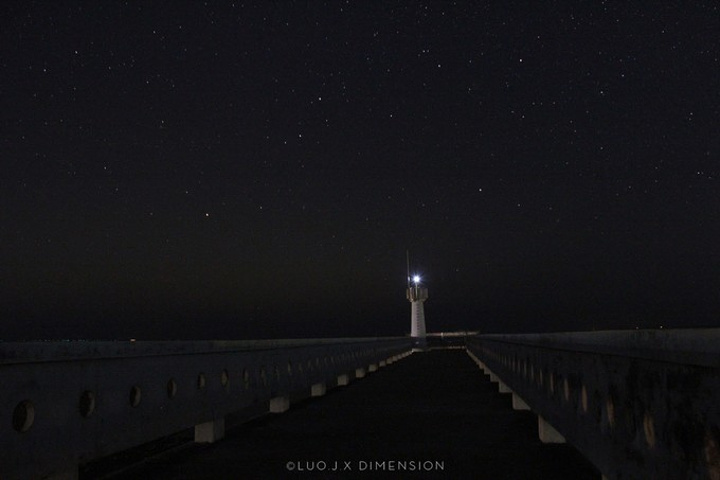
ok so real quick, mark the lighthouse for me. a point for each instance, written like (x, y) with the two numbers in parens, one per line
(416, 294)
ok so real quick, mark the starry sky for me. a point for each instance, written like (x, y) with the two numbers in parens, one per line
(195, 170)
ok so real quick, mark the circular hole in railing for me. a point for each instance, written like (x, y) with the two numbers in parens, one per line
(711, 450)
(201, 381)
(649, 429)
(246, 379)
(224, 378)
(23, 416)
(135, 396)
(86, 405)
(610, 411)
(171, 388)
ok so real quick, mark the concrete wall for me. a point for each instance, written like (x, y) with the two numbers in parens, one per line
(66, 403)
(638, 404)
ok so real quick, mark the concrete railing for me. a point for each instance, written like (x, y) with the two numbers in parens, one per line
(66, 403)
(637, 404)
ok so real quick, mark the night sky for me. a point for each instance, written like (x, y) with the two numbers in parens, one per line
(195, 170)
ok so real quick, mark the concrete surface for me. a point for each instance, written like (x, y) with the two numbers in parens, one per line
(435, 409)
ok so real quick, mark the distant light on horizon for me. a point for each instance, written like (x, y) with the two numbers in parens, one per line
(416, 279)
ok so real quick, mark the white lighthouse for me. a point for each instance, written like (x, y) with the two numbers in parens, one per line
(416, 294)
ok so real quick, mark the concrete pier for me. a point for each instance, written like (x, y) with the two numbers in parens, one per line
(433, 408)
(69, 403)
(636, 403)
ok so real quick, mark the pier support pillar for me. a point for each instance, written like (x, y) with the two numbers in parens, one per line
(518, 403)
(343, 380)
(359, 373)
(318, 390)
(547, 432)
(279, 404)
(372, 367)
(210, 432)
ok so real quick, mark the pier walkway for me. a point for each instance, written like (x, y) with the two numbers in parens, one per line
(431, 415)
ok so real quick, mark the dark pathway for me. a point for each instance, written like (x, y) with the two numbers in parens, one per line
(431, 407)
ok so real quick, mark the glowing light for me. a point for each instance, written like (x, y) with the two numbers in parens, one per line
(416, 279)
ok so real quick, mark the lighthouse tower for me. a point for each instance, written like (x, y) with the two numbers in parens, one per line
(416, 294)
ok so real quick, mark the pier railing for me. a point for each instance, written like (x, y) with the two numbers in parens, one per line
(67, 403)
(637, 404)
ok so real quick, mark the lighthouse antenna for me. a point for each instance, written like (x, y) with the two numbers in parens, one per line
(408, 267)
